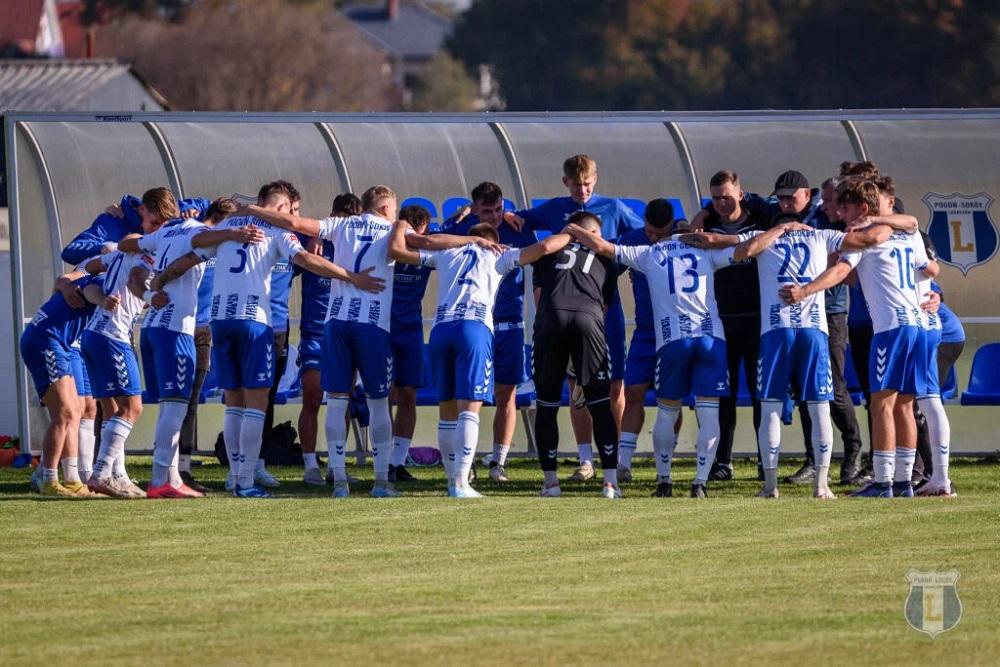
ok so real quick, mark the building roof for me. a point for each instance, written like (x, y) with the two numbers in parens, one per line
(415, 33)
(74, 85)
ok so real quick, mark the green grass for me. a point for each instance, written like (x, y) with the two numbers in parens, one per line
(510, 579)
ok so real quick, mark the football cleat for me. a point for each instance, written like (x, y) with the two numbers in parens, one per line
(934, 490)
(193, 484)
(824, 494)
(167, 491)
(341, 490)
(313, 477)
(550, 492)
(107, 487)
(699, 491)
(36, 480)
(766, 493)
(265, 479)
(582, 474)
(721, 472)
(624, 475)
(130, 488)
(80, 490)
(498, 474)
(251, 492)
(400, 474)
(804, 475)
(664, 490)
(902, 489)
(874, 490)
(385, 491)
(54, 489)
(610, 491)
(466, 492)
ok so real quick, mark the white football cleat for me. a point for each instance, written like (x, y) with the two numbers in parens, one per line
(265, 479)
(610, 491)
(764, 493)
(824, 494)
(313, 477)
(550, 492)
(498, 474)
(466, 492)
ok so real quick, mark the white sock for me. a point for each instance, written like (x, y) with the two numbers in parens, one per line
(466, 438)
(626, 449)
(904, 464)
(585, 451)
(939, 431)
(50, 474)
(664, 439)
(769, 436)
(261, 463)
(336, 436)
(166, 443)
(400, 448)
(500, 453)
(551, 478)
(309, 461)
(822, 442)
(86, 450)
(610, 476)
(380, 429)
(71, 472)
(446, 443)
(251, 435)
(232, 422)
(184, 462)
(708, 438)
(113, 435)
(118, 467)
(883, 465)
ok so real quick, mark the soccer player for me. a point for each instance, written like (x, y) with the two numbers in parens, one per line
(897, 374)
(107, 349)
(315, 301)
(243, 341)
(640, 364)
(406, 327)
(462, 338)
(106, 230)
(615, 218)
(508, 322)
(47, 350)
(167, 339)
(576, 286)
(691, 354)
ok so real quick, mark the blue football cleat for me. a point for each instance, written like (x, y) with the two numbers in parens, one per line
(251, 492)
(902, 490)
(874, 490)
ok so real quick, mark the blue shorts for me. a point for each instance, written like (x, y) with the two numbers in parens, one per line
(688, 366)
(897, 360)
(932, 383)
(80, 372)
(111, 365)
(168, 364)
(310, 354)
(361, 347)
(799, 357)
(461, 356)
(640, 366)
(243, 354)
(614, 334)
(48, 359)
(408, 356)
(509, 362)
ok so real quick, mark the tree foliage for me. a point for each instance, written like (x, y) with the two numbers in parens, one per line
(444, 85)
(738, 54)
(255, 55)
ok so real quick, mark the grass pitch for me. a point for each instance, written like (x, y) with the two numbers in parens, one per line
(511, 579)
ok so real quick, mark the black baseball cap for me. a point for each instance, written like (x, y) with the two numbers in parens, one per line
(789, 182)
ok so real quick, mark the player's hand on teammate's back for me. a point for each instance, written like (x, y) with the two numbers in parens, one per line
(159, 300)
(933, 302)
(115, 211)
(497, 248)
(792, 293)
(795, 227)
(315, 246)
(111, 301)
(72, 296)
(365, 282)
(695, 240)
(249, 234)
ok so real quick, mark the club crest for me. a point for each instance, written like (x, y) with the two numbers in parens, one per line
(961, 229)
(933, 605)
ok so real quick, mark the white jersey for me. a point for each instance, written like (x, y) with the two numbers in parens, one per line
(468, 280)
(796, 258)
(360, 242)
(241, 289)
(117, 324)
(681, 286)
(888, 278)
(167, 244)
(931, 320)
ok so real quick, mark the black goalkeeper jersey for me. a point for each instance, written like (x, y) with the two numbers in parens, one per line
(575, 278)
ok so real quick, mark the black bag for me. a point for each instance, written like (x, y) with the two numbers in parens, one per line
(220, 451)
(280, 447)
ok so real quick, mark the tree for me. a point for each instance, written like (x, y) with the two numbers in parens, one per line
(255, 55)
(444, 85)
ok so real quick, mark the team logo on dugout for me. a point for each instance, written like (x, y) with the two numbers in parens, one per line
(933, 605)
(961, 229)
